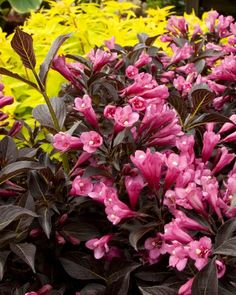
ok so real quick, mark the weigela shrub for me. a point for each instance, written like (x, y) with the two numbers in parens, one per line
(142, 197)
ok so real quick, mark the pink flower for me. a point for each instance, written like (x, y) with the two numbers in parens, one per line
(110, 43)
(199, 251)
(187, 69)
(182, 53)
(100, 192)
(138, 103)
(5, 100)
(182, 85)
(84, 105)
(224, 159)
(125, 117)
(210, 140)
(186, 288)
(99, 246)
(143, 59)
(63, 141)
(177, 25)
(229, 126)
(150, 166)
(187, 223)
(100, 58)
(81, 186)
(70, 71)
(155, 247)
(117, 210)
(131, 72)
(178, 255)
(210, 20)
(109, 111)
(134, 185)
(91, 141)
(221, 268)
(174, 232)
(226, 71)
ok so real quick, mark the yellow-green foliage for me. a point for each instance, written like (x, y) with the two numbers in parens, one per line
(90, 24)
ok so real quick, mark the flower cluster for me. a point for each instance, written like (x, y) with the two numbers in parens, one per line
(137, 116)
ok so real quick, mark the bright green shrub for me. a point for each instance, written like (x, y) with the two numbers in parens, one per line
(90, 24)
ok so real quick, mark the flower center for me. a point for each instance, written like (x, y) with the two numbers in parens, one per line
(91, 142)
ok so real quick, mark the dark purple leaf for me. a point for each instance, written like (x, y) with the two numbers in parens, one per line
(160, 290)
(206, 281)
(3, 259)
(225, 232)
(179, 105)
(93, 289)
(10, 213)
(45, 215)
(26, 252)
(200, 95)
(41, 113)
(210, 118)
(8, 73)
(200, 65)
(8, 151)
(81, 230)
(22, 43)
(137, 234)
(227, 248)
(81, 269)
(17, 168)
(45, 66)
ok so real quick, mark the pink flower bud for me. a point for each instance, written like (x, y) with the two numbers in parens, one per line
(6, 100)
(44, 290)
(63, 141)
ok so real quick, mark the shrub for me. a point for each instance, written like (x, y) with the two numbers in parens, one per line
(90, 24)
(142, 198)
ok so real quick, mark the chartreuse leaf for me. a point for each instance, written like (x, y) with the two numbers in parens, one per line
(22, 43)
(24, 6)
(206, 281)
(10, 213)
(26, 252)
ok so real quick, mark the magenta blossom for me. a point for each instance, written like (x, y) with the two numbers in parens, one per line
(81, 186)
(174, 232)
(143, 59)
(210, 140)
(138, 103)
(84, 105)
(134, 185)
(155, 247)
(131, 72)
(117, 210)
(125, 117)
(100, 58)
(181, 53)
(91, 141)
(199, 251)
(109, 111)
(99, 246)
(185, 289)
(150, 166)
(220, 267)
(63, 141)
(178, 255)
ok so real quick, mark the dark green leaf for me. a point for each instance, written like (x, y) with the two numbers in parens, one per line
(8, 151)
(26, 252)
(45, 215)
(10, 213)
(22, 43)
(179, 105)
(23, 6)
(206, 281)
(81, 269)
(8, 73)
(227, 248)
(225, 232)
(3, 259)
(158, 290)
(45, 66)
(17, 168)
(201, 95)
(42, 114)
